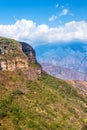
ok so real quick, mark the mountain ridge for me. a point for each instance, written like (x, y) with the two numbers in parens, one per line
(72, 56)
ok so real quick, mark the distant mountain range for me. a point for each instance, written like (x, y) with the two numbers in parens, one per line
(65, 60)
(63, 73)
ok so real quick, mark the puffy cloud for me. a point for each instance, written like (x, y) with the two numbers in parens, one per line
(29, 31)
(64, 12)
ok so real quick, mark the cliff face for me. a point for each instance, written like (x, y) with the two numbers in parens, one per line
(30, 53)
(15, 55)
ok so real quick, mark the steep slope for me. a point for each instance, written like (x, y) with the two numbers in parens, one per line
(45, 104)
(29, 51)
(15, 55)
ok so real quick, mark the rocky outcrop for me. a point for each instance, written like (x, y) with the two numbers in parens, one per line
(18, 55)
(13, 64)
(29, 51)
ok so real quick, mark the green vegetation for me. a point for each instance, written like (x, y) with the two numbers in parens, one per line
(45, 104)
(34, 65)
(10, 48)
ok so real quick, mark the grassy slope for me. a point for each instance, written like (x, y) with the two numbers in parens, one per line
(45, 104)
(13, 47)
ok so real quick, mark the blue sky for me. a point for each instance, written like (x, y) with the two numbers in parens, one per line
(41, 10)
(44, 21)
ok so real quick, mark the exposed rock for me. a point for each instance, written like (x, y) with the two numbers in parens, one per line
(15, 55)
(3, 65)
(29, 51)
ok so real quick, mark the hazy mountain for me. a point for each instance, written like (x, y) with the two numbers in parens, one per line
(69, 56)
(81, 85)
(63, 73)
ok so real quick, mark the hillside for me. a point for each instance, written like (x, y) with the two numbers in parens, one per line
(45, 104)
(30, 99)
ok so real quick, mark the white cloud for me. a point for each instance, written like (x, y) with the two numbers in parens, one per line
(52, 18)
(29, 31)
(64, 12)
